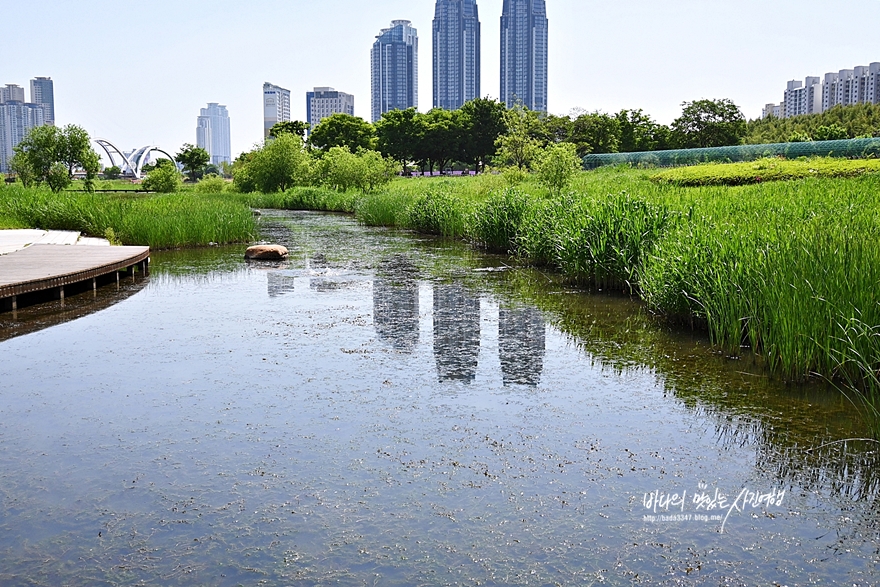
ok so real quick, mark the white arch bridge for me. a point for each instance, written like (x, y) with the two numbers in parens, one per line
(133, 164)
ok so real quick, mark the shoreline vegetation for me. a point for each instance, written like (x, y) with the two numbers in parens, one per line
(787, 269)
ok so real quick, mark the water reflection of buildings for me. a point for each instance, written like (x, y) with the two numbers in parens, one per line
(521, 345)
(279, 284)
(396, 303)
(456, 332)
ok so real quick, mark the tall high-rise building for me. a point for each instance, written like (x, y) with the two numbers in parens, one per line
(859, 85)
(16, 119)
(276, 106)
(456, 53)
(43, 92)
(212, 133)
(322, 102)
(395, 69)
(524, 54)
(12, 93)
(803, 97)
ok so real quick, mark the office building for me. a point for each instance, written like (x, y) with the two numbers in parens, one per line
(276, 106)
(524, 54)
(16, 119)
(322, 102)
(43, 92)
(456, 53)
(212, 133)
(395, 69)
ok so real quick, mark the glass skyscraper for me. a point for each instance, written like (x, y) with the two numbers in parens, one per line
(456, 53)
(212, 133)
(395, 69)
(43, 92)
(524, 54)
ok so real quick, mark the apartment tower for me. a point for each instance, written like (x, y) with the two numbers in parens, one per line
(395, 69)
(456, 53)
(276, 106)
(212, 133)
(524, 54)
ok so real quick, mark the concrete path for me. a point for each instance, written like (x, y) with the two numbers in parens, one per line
(16, 240)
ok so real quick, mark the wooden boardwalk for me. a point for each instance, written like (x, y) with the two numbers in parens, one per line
(52, 267)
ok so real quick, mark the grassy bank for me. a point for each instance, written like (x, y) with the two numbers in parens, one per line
(763, 170)
(160, 221)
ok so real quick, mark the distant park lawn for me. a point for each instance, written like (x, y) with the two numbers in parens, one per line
(763, 170)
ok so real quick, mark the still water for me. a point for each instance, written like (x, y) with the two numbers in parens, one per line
(387, 409)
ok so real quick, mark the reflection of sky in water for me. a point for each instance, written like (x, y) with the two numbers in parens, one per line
(240, 425)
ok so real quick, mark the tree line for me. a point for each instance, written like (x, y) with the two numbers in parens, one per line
(839, 122)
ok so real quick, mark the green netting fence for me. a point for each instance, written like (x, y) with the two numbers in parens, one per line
(850, 148)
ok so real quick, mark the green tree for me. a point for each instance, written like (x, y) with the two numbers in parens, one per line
(295, 127)
(556, 165)
(193, 159)
(73, 144)
(44, 146)
(58, 177)
(112, 172)
(639, 132)
(483, 123)
(164, 179)
(91, 164)
(442, 138)
(343, 130)
(555, 129)
(39, 150)
(831, 132)
(339, 169)
(211, 184)
(279, 165)
(398, 133)
(518, 146)
(21, 166)
(709, 123)
(377, 170)
(595, 132)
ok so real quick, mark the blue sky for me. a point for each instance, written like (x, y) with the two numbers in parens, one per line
(137, 73)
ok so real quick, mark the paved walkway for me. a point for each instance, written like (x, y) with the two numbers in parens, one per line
(16, 240)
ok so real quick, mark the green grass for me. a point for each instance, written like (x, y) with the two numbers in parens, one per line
(160, 221)
(765, 170)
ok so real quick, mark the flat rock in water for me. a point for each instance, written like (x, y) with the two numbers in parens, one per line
(266, 252)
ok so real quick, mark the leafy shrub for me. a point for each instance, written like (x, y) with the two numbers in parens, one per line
(164, 179)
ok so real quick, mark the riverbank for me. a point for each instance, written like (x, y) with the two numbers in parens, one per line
(788, 269)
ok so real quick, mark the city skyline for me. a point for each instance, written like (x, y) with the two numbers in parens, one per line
(682, 51)
(18, 117)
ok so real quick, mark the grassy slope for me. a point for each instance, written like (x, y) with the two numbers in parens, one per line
(765, 170)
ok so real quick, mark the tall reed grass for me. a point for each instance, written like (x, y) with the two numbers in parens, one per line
(160, 221)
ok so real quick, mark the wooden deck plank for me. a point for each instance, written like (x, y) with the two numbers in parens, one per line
(41, 267)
